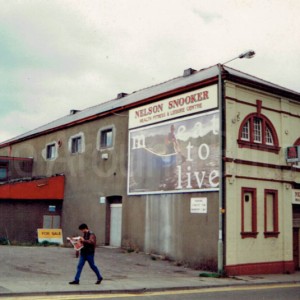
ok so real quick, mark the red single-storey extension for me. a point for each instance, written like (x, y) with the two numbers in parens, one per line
(51, 188)
(28, 204)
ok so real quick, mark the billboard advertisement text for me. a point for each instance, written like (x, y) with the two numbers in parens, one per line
(175, 156)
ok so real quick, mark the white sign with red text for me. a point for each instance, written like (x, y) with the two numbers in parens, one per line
(296, 197)
(189, 103)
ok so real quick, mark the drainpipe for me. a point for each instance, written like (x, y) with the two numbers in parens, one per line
(248, 54)
(220, 238)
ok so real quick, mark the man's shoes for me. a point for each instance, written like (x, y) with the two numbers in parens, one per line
(98, 281)
(74, 282)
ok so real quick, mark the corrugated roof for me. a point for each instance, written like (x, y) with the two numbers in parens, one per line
(146, 93)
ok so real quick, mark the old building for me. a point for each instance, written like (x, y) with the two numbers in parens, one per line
(196, 168)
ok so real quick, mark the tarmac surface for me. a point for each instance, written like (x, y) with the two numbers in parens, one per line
(47, 270)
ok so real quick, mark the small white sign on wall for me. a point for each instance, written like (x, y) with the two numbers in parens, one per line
(198, 205)
(296, 197)
(102, 200)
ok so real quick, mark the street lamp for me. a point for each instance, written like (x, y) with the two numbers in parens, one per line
(247, 54)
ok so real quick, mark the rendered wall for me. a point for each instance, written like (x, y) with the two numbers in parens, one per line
(161, 224)
(268, 171)
(87, 175)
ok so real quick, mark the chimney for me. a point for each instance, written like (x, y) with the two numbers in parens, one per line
(74, 111)
(188, 72)
(121, 95)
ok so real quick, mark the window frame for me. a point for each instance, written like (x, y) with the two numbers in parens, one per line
(275, 232)
(265, 128)
(76, 145)
(75, 138)
(103, 138)
(54, 220)
(258, 130)
(53, 152)
(297, 143)
(253, 233)
(268, 134)
(4, 167)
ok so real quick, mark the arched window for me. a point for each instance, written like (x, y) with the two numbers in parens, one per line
(257, 132)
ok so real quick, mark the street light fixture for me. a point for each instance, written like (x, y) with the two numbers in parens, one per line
(247, 54)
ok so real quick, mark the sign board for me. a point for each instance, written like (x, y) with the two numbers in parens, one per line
(198, 205)
(50, 235)
(178, 106)
(293, 154)
(296, 197)
(179, 155)
(102, 200)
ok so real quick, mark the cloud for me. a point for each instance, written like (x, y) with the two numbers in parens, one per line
(64, 54)
(207, 17)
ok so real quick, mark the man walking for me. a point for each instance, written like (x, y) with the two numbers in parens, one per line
(87, 254)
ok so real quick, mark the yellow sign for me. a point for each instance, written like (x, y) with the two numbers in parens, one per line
(50, 235)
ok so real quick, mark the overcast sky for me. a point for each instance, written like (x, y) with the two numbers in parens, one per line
(57, 55)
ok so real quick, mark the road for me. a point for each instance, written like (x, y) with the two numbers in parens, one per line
(289, 291)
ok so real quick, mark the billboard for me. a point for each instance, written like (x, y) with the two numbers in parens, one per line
(192, 102)
(179, 155)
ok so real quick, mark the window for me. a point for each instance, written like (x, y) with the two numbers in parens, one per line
(249, 213)
(257, 125)
(3, 173)
(246, 132)
(76, 146)
(297, 143)
(271, 213)
(106, 138)
(257, 132)
(51, 221)
(76, 143)
(51, 151)
(269, 136)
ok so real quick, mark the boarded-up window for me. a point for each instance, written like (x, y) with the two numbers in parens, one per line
(50, 221)
(271, 213)
(249, 213)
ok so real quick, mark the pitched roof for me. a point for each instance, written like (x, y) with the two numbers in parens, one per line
(152, 91)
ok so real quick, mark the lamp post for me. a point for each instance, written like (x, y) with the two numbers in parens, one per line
(247, 54)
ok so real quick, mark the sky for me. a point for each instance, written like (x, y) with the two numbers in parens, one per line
(58, 55)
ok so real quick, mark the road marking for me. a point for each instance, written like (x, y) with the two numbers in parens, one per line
(161, 293)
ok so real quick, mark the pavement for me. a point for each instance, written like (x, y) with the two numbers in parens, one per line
(48, 270)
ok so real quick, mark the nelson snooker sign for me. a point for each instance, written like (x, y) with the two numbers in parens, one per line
(188, 103)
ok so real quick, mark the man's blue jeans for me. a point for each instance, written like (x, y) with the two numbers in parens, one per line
(90, 259)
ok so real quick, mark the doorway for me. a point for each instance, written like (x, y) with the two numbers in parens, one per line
(113, 236)
(296, 237)
(115, 225)
(296, 248)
